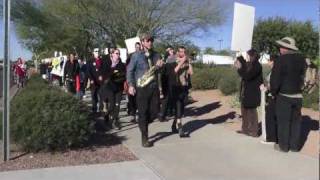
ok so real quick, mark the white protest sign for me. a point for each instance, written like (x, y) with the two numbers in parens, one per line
(56, 67)
(58, 64)
(123, 54)
(130, 43)
(106, 51)
(243, 23)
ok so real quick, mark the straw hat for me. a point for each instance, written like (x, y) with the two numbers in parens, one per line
(287, 42)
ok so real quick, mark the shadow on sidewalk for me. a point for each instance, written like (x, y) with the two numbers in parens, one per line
(160, 135)
(307, 125)
(199, 111)
(195, 125)
(103, 135)
(191, 126)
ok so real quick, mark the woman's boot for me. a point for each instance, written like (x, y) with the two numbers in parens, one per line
(174, 126)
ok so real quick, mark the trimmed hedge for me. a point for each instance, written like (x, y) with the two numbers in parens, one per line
(224, 78)
(230, 83)
(227, 80)
(205, 78)
(311, 100)
(45, 118)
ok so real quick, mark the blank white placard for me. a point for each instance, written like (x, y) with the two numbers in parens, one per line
(123, 54)
(243, 23)
(130, 43)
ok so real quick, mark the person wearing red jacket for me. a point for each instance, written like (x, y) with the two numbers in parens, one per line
(20, 70)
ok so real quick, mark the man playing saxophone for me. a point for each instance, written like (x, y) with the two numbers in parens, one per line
(142, 80)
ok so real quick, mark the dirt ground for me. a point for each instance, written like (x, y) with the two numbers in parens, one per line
(104, 148)
(98, 155)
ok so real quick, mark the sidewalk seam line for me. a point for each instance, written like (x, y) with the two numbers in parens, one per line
(145, 163)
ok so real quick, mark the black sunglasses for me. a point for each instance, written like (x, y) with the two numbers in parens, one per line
(149, 40)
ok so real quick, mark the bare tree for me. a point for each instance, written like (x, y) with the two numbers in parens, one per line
(101, 22)
(166, 19)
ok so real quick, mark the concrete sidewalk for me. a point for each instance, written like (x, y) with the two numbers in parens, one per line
(13, 90)
(213, 152)
(133, 170)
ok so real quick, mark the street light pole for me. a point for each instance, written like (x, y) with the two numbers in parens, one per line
(220, 41)
(6, 81)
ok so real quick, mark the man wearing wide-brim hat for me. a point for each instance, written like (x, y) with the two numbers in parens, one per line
(286, 85)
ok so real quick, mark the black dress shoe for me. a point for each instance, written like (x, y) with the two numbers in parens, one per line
(277, 148)
(161, 118)
(147, 144)
(181, 132)
(294, 150)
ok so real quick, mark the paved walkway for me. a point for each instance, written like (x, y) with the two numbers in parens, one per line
(133, 170)
(213, 151)
(13, 90)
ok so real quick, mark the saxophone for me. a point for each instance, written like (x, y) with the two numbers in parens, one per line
(149, 75)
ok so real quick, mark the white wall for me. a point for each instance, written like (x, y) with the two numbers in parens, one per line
(216, 59)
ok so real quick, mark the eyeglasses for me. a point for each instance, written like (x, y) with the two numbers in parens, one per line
(149, 40)
(117, 53)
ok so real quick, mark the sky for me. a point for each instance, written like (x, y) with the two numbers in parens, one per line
(301, 10)
(290, 9)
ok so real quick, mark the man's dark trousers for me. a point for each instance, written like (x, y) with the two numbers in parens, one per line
(148, 107)
(288, 113)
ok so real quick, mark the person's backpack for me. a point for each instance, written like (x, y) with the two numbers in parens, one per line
(311, 77)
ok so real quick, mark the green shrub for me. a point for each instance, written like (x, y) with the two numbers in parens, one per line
(227, 80)
(230, 83)
(206, 77)
(199, 65)
(311, 100)
(46, 118)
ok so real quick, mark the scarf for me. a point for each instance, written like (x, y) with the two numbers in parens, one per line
(98, 63)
